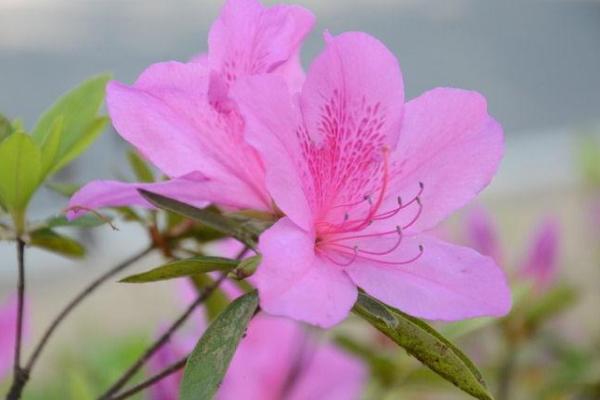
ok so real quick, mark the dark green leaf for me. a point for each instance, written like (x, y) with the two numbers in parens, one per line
(86, 221)
(20, 166)
(140, 167)
(187, 267)
(205, 216)
(50, 240)
(424, 343)
(209, 361)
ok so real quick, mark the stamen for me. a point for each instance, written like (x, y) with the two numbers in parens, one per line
(350, 261)
(417, 215)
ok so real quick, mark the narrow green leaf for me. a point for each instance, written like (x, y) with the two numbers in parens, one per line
(5, 127)
(209, 361)
(205, 216)
(424, 343)
(86, 221)
(80, 144)
(50, 240)
(552, 303)
(140, 167)
(78, 107)
(246, 268)
(64, 189)
(187, 267)
(20, 166)
(458, 329)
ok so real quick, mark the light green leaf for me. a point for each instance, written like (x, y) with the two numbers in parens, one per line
(246, 268)
(5, 127)
(51, 146)
(205, 216)
(20, 166)
(209, 361)
(86, 221)
(81, 144)
(187, 267)
(424, 343)
(52, 241)
(551, 303)
(140, 167)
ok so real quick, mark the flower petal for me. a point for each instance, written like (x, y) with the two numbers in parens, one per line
(271, 121)
(451, 145)
(447, 282)
(542, 259)
(293, 282)
(249, 39)
(167, 117)
(482, 235)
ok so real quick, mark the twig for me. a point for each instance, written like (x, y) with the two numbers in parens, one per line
(135, 367)
(20, 376)
(151, 381)
(506, 373)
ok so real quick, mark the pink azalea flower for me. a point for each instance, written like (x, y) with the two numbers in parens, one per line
(180, 117)
(361, 177)
(540, 263)
(8, 320)
(276, 360)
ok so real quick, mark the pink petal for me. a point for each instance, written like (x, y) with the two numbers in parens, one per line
(482, 235)
(451, 145)
(447, 282)
(167, 117)
(249, 39)
(542, 260)
(354, 92)
(271, 121)
(331, 374)
(293, 282)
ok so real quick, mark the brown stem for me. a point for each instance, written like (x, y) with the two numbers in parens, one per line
(135, 367)
(506, 373)
(151, 381)
(20, 376)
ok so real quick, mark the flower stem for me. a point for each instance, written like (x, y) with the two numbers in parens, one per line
(151, 381)
(135, 367)
(20, 376)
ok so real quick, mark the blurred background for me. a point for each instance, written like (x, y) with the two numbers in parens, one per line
(536, 62)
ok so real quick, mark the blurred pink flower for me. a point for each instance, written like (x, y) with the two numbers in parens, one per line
(360, 177)
(179, 115)
(276, 360)
(8, 320)
(540, 263)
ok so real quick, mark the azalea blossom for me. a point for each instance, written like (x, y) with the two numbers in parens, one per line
(540, 261)
(8, 320)
(180, 117)
(361, 177)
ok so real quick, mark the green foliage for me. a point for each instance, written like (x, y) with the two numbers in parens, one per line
(552, 303)
(76, 113)
(5, 127)
(424, 343)
(49, 239)
(20, 167)
(217, 301)
(210, 359)
(206, 216)
(86, 221)
(64, 189)
(180, 268)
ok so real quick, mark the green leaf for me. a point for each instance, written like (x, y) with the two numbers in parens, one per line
(20, 166)
(81, 144)
(552, 303)
(246, 268)
(424, 343)
(51, 146)
(86, 221)
(64, 189)
(205, 216)
(209, 361)
(140, 167)
(50, 240)
(78, 109)
(458, 329)
(187, 267)
(5, 127)
(217, 301)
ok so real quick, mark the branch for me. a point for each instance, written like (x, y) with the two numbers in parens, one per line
(151, 381)
(135, 367)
